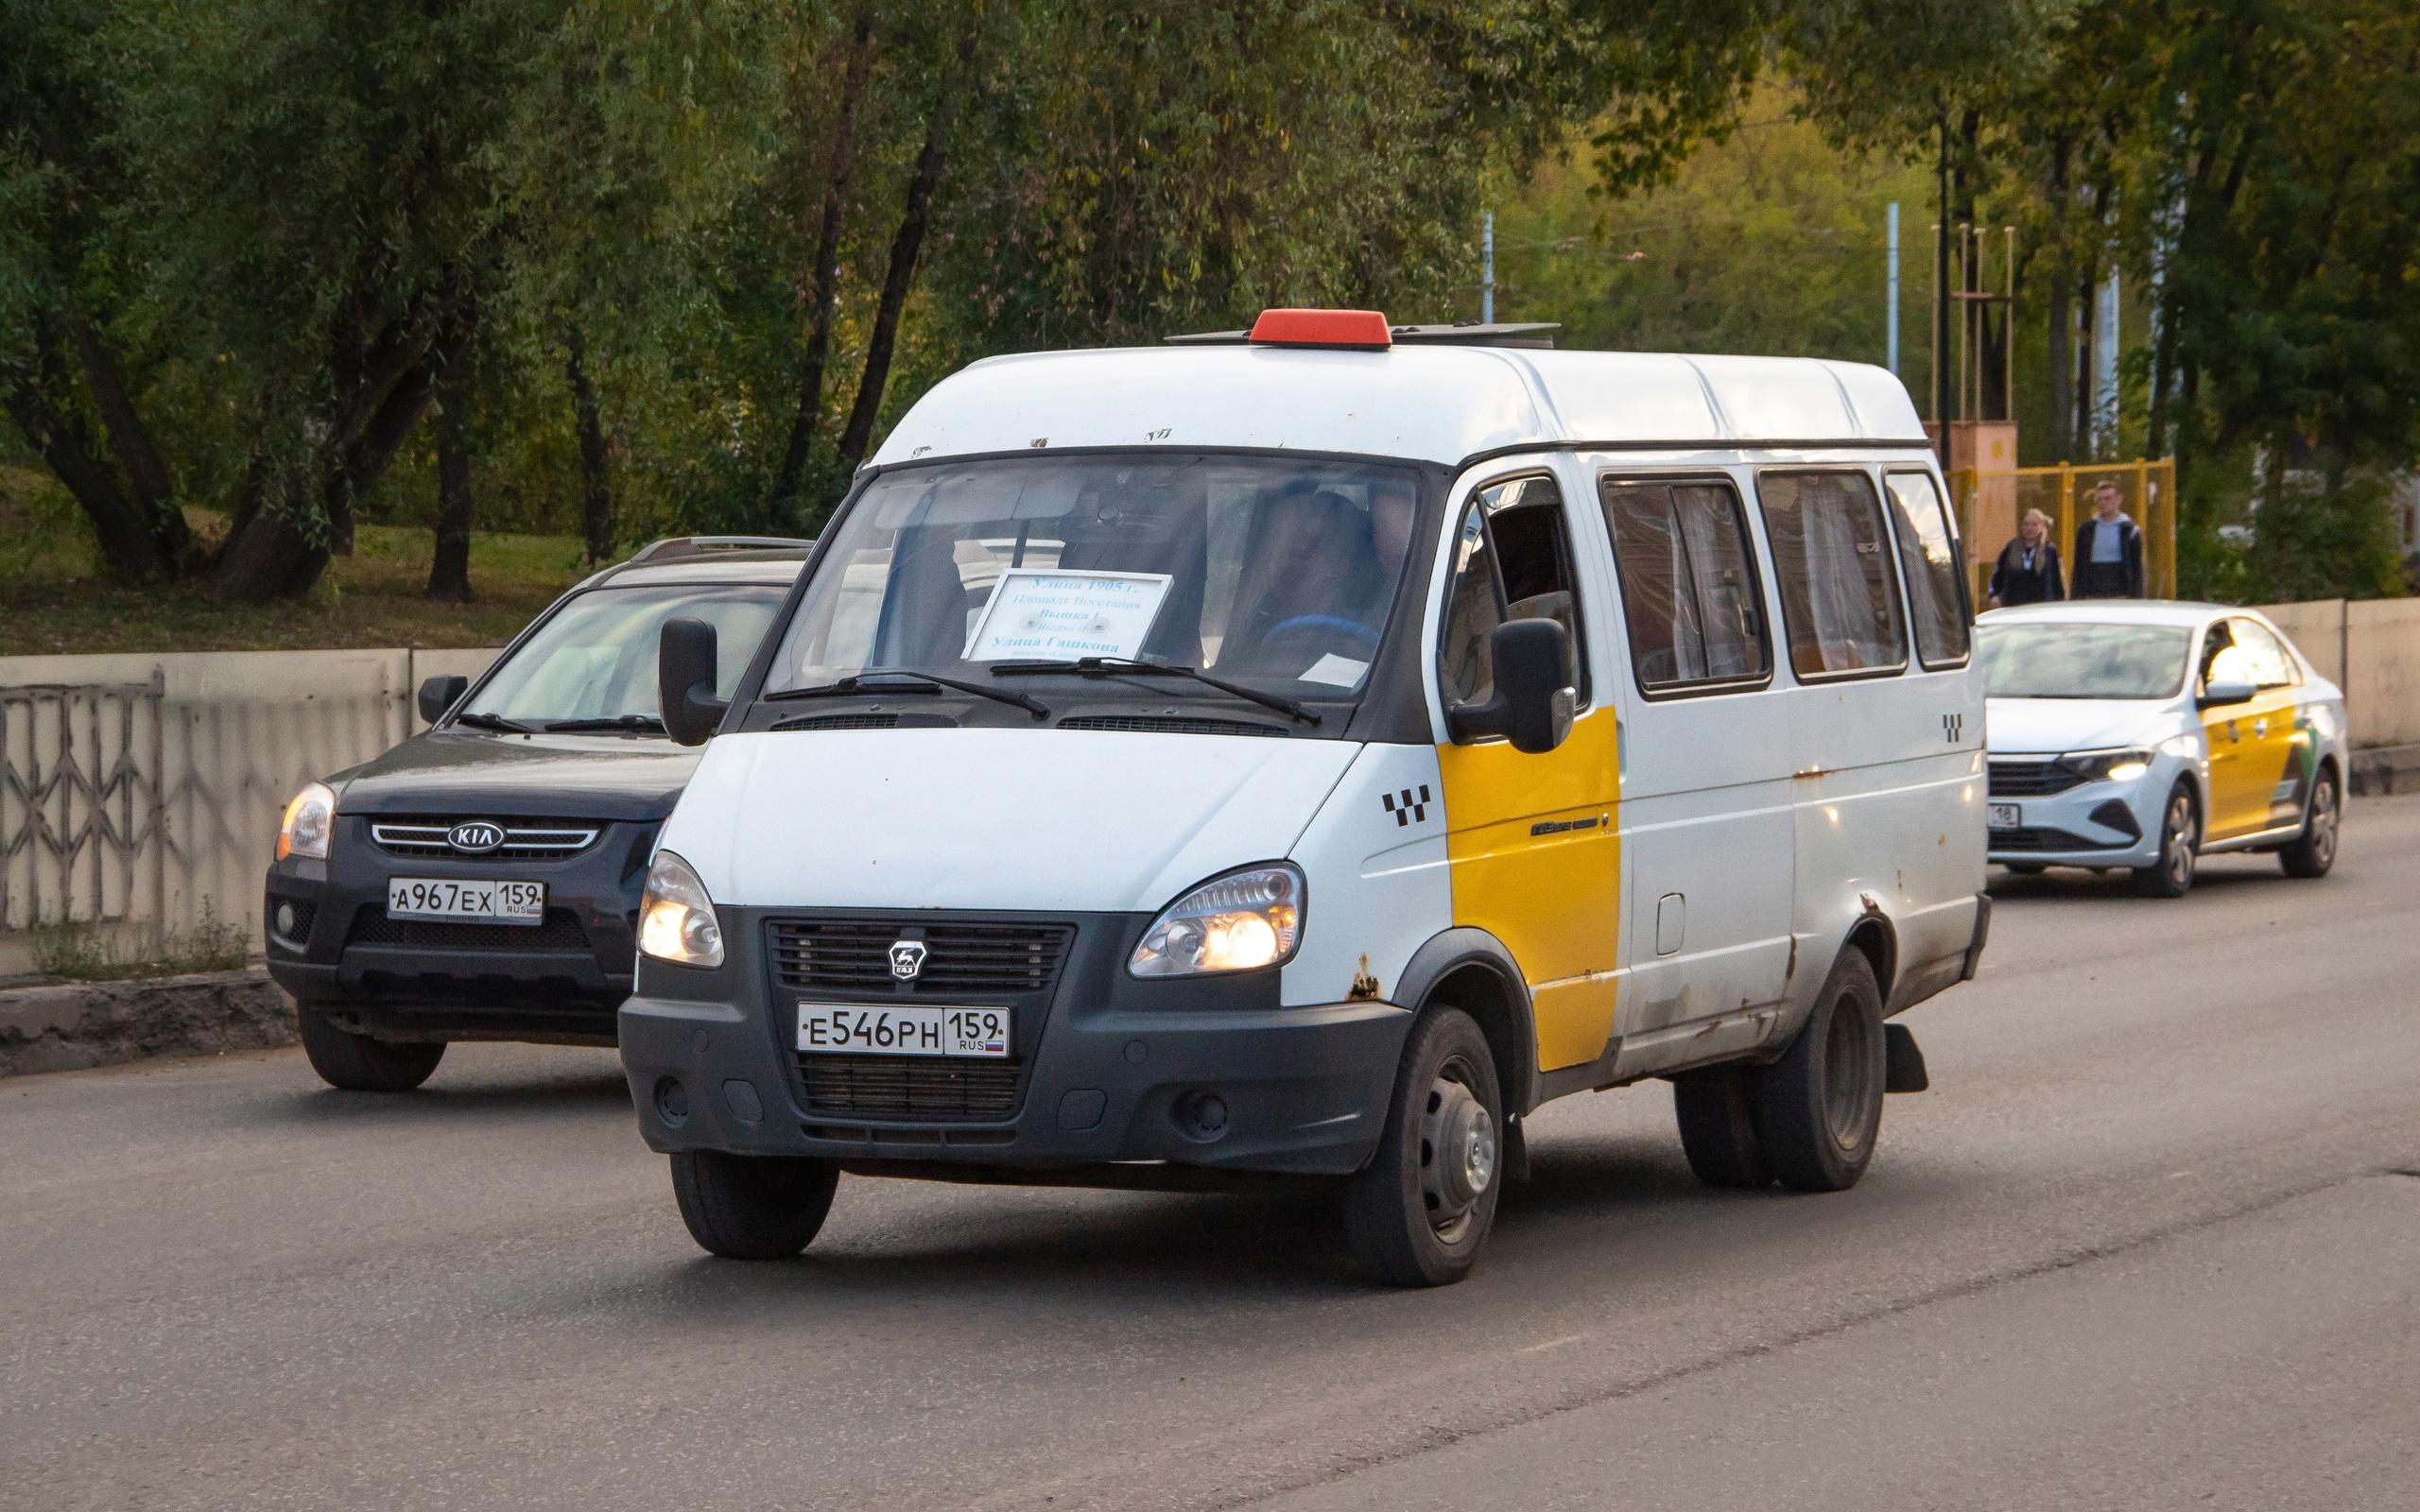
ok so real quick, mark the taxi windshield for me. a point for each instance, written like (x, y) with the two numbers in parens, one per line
(1275, 573)
(2071, 660)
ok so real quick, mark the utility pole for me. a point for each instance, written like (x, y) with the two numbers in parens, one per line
(1891, 324)
(1487, 268)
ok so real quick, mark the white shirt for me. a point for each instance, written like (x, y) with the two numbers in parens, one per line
(2107, 544)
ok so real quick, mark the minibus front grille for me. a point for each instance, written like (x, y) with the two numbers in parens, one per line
(854, 955)
(2030, 779)
(910, 1087)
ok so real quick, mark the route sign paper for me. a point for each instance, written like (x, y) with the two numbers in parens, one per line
(1059, 615)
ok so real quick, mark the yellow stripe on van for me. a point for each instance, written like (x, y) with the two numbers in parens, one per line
(1536, 848)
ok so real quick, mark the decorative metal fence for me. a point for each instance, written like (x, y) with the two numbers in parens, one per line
(142, 792)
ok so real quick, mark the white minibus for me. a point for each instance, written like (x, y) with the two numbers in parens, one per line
(1301, 754)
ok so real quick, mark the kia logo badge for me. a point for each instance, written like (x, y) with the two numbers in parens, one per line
(906, 958)
(477, 838)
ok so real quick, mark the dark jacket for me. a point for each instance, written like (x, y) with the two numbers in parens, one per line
(2013, 582)
(2122, 578)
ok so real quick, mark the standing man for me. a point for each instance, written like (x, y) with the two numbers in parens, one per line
(2109, 549)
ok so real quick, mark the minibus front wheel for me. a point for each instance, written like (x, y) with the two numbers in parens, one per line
(1419, 1213)
(748, 1207)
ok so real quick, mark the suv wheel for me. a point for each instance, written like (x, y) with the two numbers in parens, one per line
(358, 1064)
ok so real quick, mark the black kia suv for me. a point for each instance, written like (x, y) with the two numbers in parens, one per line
(481, 881)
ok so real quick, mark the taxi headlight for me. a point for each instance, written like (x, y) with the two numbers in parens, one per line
(675, 918)
(1238, 922)
(2108, 765)
(310, 816)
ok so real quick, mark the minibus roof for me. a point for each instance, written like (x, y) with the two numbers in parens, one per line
(1436, 403)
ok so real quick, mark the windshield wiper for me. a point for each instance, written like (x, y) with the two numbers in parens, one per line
(901, 679)
(1118, 666)
(632, 724)
(494, 722)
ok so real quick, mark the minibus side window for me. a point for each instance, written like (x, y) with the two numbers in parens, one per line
(1832, 563)
(1688, 582)
(1512, 562)
(1929, 557)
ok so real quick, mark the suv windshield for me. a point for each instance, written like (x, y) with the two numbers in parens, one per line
(1276, 574)
(2067, 660)
(594, 658)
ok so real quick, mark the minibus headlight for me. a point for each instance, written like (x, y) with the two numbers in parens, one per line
(310, 818)
(1238, 922)
(675, 918)
(2108, 765)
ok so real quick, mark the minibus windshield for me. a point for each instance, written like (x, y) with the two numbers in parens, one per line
(2070, 661)
(592, 665)
(1274, 574)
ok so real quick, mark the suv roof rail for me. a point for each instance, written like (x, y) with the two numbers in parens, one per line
(672, 547)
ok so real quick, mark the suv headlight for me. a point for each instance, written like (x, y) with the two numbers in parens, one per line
(1238, 922)
(675, 918)
(2108, 765)
(310, 816)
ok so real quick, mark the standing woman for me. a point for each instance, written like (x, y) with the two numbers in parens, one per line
(2028, 571)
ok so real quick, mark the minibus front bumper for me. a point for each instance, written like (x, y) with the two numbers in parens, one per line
(1105, 1070)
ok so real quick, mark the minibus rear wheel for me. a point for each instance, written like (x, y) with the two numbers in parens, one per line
(358, 1064)
(1819, 1108)
(750, 1207)
(1715, 1106)
(1419, 1213)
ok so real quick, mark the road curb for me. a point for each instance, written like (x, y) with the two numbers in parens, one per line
(71, 1026)
(2383, 769)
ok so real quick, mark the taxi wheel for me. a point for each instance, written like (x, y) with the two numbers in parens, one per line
(2180, 845)
(2314, 851)
(355, 1062)
(1718, 1127)
(1419, 1213)
(1819, 1108)
(751, 1206)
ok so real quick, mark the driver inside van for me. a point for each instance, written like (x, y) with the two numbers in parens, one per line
(1328, 568)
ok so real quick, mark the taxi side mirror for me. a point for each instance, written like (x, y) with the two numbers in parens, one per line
(2227, 691)
(437, 695)
(684, 682)
(1533, 700)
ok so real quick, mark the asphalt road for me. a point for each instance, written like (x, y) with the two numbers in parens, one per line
(2153, 1240)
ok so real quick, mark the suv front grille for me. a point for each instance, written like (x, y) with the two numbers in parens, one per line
(854, 955)
(524, 839)
(2029, 779)
(910, 1087)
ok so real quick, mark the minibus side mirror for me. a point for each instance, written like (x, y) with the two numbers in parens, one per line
(684, 682)
(1534, 700)
(2226, 692)
(437, 695)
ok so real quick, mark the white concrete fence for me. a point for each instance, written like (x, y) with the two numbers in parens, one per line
(138, 791)
(141, 791)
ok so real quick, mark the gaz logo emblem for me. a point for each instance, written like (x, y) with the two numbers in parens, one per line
(477, 838)
(1405, 807)
(906, 958)
(1953, 727)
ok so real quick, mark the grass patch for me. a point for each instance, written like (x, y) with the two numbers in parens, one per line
(95, 953)
(60, 601)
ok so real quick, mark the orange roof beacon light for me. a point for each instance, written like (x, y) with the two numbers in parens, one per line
(1322, 327)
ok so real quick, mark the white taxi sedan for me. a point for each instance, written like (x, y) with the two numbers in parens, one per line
(2140, 736)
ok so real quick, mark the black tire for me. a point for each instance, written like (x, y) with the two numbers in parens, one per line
(355, 1062)
(1718, 1128)
(1420, 1211)
(745, 1207)
(2312, 852)
(1818, 1109)
(2180, 847)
